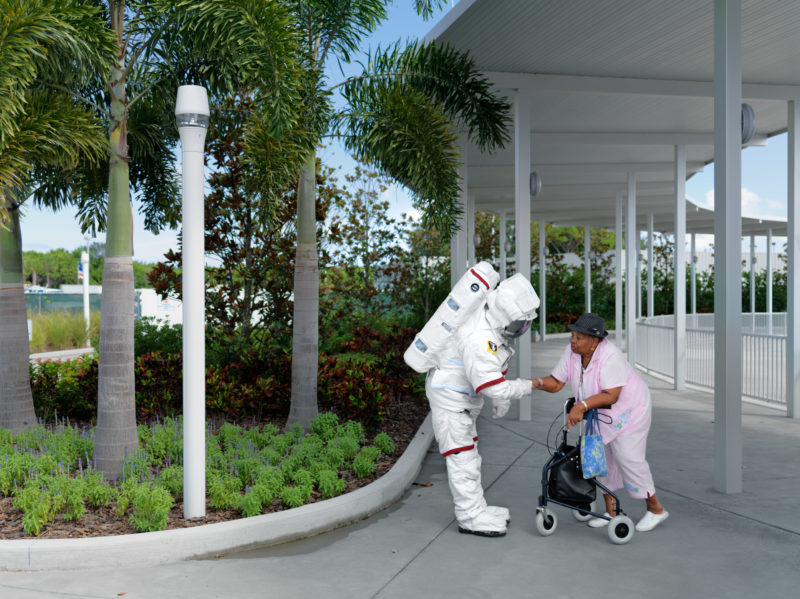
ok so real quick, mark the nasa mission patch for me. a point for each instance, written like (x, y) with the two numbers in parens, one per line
(492, 347)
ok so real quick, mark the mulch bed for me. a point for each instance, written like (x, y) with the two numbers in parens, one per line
(401, 424)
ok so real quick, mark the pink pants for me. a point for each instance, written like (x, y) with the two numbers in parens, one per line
(626, 461)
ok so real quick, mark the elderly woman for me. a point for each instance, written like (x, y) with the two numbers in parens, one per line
(600, 376)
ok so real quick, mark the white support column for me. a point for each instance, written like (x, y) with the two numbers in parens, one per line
(727, 246)
(458, 243)
(639, 308)
(542, 280)
(650, 270)
(522, 213)
(680, 268)
(753, 279)
(502, 240)
(769, 282)
(618, 285)
(793, 255)
(470, 229)
(631, 286)
(587, 268)
(693, 267)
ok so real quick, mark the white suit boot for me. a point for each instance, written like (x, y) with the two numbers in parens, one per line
(484, 524)
(499, 512)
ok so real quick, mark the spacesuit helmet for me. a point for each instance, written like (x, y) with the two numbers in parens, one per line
(512, 305)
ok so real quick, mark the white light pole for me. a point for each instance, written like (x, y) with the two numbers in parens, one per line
(85, 272)
(191, 114)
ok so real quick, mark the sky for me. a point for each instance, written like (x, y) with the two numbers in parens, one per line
(763, 172)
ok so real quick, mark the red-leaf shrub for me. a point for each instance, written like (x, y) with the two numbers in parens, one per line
(353, 387)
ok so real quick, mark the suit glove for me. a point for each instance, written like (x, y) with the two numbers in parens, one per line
(500, 407)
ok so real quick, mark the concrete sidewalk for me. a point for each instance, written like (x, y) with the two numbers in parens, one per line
(712, 546)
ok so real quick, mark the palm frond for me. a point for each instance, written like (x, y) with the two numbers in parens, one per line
(403, 112)
(412, 141)
(46, 39)
(338, 26)
(449, 78)
(425, 8)
(253, 45)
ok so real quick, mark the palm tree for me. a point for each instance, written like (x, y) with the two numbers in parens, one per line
(45, 47)
(158, 47)
(400, 114)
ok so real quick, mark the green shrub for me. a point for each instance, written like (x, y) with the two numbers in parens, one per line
(151, 336)
(371, 452)
(384, 442)
(352, 429)
(272, 479)
(150, 507)
(324, 424)
(252, 502)
(98, 491)
(347, 445)
(363, 466)
(329, 483)
(333, 456)
(171, 478)
(260, 438)
(292, 497)
(352, 385)
(70, 494)
(65, 389)
(36, 504)
(223, 490)
(159, 385)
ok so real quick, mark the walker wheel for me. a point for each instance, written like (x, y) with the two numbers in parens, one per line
(546, 522)
(620, 529)
(583, 516)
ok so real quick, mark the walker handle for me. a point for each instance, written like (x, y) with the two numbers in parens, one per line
(570, 403)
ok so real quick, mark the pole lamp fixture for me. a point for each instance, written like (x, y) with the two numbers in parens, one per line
(191, 116)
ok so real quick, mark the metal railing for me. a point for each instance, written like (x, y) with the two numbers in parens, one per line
(763, 352)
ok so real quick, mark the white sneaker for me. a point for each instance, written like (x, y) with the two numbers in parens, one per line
(499, 512)
(599, 522)
(484, 524)
(651, 520)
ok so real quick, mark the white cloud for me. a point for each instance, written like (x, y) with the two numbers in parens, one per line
(753, 205)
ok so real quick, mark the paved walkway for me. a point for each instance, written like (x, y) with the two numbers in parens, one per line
(712, 546)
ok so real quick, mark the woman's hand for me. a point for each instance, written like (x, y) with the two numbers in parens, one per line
(575, 414)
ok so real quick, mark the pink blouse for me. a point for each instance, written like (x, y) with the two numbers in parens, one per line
(608, 369)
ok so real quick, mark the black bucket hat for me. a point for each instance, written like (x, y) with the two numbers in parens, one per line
(590, 324)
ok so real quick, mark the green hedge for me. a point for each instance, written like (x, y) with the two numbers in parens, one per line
(353, 384)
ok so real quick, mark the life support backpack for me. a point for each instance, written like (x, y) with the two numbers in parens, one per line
(468, 294)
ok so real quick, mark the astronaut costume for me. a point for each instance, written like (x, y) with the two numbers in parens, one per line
(470, 369)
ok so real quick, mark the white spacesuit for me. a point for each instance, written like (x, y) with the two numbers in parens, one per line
(472, 368)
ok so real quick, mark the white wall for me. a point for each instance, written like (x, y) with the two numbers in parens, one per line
(169, 311)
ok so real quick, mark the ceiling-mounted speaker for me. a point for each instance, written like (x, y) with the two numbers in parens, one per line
(536, 184)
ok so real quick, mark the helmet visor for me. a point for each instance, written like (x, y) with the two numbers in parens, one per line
(516, 328)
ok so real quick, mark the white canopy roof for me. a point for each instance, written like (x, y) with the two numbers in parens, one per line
(614, 86)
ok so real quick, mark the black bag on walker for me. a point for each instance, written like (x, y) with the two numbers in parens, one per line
(565, 481)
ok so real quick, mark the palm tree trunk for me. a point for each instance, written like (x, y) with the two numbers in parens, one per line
(116, 435)
(305, 323)
(16, 399)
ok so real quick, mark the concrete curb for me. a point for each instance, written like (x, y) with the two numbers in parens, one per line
(153, 548)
